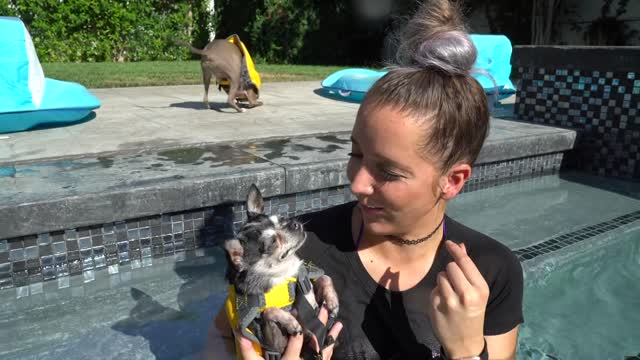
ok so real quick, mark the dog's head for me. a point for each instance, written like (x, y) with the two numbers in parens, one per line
(263, 242)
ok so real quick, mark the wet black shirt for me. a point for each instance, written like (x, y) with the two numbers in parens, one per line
(383, 324)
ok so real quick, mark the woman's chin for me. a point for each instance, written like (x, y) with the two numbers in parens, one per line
(378, 228)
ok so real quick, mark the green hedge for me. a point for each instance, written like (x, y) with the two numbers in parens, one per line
(275, 31)
(110, 30)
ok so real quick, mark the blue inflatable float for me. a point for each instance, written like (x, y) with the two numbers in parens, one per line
(27, 98)
(494, 57)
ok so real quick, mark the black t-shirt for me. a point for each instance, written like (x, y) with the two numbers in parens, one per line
(383, 324)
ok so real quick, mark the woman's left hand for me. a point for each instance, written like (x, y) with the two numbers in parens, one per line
(458, 304)
(294, 346)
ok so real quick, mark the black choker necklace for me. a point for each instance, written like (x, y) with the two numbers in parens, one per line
(402, 241)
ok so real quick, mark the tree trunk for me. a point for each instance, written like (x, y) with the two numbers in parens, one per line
(533, 21)
(490, 18)
(549, 21)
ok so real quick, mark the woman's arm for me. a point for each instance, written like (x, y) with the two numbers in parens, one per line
(503, 346)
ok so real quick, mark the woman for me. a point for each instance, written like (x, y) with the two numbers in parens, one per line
(413, 283)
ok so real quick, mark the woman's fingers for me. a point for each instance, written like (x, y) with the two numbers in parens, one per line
(292, 352)
(457, 279)
(465, 264)
(246, 348)
(294, 347)
(446, 291)
(331, 340)
(323, 315)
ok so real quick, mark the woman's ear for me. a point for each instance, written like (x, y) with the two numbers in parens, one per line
(454, 180)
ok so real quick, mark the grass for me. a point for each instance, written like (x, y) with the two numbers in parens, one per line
(154, 73)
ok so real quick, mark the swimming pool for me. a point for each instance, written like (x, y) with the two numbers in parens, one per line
(582, 283)
(579, 299)
(585, 307)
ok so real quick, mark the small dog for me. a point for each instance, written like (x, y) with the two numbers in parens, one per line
(223, 60)
(263, 256)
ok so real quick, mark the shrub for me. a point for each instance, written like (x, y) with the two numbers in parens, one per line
(109, 30)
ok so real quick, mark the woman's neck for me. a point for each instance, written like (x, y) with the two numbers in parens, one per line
(385, 248)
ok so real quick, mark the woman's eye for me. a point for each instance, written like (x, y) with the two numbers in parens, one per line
(388, 176)
(355, 155)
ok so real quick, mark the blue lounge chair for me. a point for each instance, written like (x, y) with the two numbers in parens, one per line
(27, 98)
(494, 57)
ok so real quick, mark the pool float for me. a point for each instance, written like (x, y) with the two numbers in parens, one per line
(494, 58)
(27, 98)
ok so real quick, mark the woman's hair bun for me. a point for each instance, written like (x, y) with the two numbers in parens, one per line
(436, 37)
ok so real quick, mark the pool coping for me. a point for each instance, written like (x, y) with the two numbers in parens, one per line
(53, 194)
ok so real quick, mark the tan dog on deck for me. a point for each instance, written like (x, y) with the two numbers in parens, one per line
(222, 59)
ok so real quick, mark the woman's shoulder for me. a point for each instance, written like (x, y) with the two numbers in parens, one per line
(330, 227)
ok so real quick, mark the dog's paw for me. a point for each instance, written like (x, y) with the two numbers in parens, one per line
(327, 292)
(242, 110)
(285, 319)
(293, 328)
(332, 304)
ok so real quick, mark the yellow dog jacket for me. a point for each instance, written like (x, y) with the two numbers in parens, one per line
(250, 76)
(243, 309)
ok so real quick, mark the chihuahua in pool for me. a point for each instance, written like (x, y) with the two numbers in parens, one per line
(272, 292)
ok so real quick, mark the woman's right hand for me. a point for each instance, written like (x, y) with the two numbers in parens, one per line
(294, 346)
(458, 304)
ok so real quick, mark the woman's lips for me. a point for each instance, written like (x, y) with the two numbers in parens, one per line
(371, 210)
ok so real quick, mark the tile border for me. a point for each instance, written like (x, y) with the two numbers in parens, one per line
(27, 262)
(562, 241)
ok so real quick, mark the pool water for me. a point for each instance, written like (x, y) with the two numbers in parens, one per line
(580, 302)
(585, 307)
(158, 312)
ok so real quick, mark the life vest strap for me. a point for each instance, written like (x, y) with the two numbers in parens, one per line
(271, 355)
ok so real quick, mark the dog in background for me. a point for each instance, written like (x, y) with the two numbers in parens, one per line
(223, 60)
(262, 256)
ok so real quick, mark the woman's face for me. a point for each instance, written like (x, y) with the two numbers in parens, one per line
(396, 187)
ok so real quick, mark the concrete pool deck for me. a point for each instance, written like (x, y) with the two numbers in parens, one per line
(137, 118)
(156, 150)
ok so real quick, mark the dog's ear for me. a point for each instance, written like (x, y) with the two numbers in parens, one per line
(255, 203)
(235, 252)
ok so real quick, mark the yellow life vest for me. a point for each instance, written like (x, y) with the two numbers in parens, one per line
(254, 76)
(281, 296)
(242, 309)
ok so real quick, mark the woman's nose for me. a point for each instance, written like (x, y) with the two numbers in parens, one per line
(362, 182)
